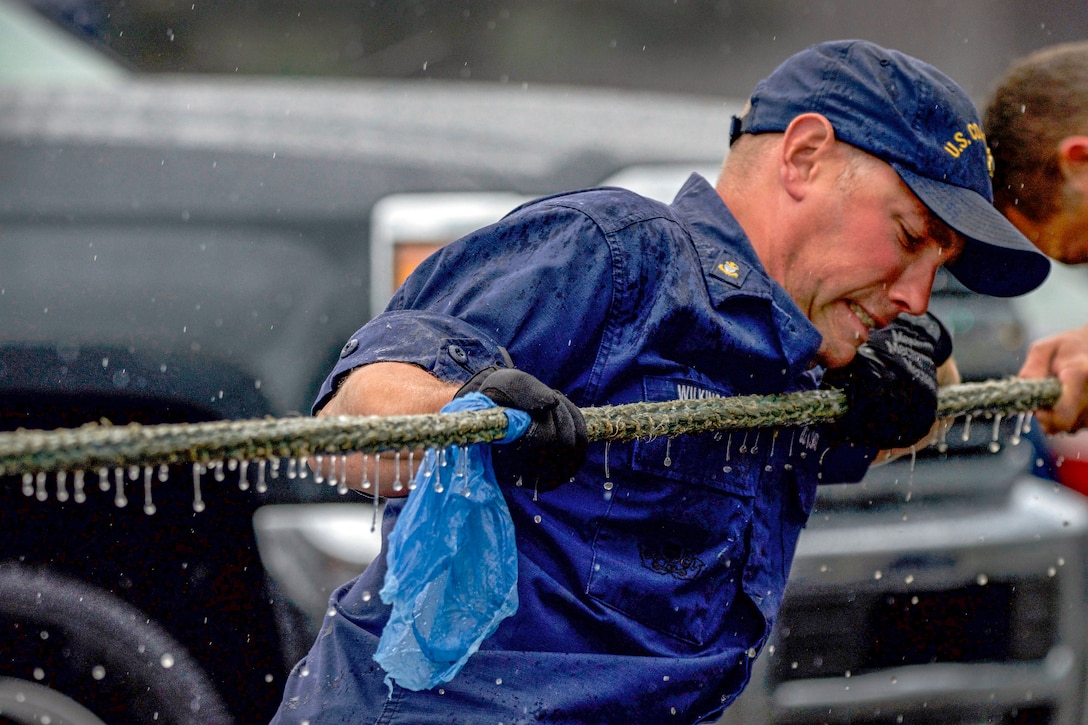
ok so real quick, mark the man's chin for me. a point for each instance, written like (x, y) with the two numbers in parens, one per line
(838, 358)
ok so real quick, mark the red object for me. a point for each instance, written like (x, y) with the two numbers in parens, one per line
(1071, 459)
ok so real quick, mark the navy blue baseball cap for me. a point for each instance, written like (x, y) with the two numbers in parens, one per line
(915, 118)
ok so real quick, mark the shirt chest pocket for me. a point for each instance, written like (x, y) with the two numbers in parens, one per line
(724, 461)
(671, 551)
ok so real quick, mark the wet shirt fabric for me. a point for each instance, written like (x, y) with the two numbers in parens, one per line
(649, 583)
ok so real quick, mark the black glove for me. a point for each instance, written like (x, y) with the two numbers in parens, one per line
(554, 446)
(891, 385)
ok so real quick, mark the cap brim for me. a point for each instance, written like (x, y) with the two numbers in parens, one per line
(998, 260)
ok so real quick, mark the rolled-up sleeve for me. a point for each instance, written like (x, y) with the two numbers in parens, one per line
(447, 347)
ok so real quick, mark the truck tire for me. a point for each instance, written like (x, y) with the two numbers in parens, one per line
(74, 651)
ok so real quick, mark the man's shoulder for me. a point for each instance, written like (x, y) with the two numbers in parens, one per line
(609, 207)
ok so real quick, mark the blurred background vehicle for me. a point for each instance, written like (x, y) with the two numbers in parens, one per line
(179, 248)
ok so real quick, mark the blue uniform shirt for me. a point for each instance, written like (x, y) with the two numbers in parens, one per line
(649, 583)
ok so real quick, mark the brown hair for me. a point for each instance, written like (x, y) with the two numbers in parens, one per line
(1040, 100)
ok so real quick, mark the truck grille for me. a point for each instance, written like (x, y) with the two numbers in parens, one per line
(854, 633)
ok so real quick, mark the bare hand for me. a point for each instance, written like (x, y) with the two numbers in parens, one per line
(1064, 356)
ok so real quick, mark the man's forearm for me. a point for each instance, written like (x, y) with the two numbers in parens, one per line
(384, 388)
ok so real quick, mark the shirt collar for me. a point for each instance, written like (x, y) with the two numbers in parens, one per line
(731, 268)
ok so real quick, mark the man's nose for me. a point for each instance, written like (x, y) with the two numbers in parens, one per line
(911, 291)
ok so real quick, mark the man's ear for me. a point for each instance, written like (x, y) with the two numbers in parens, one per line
(806, 143)
(1073, 162)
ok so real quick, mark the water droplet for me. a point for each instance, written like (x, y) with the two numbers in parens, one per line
(334, 479)
(607, 448)
(273, 468)
(62, 486)
(397, 485)
(366, 596)
(119, 499)
(967, 427)
(40, 491)
(982, 580)
(995, 436)
(668, 458)
(878, 574)
(167, 660)
(498, 680)
(149, 506)
(1018, 429)
(77, 488)
(198, 501)
(98, 672)
(39, 674)
(374, 517)
(536, 519)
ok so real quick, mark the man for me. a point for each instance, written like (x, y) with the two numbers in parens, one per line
(650, 573)
(1037, 127)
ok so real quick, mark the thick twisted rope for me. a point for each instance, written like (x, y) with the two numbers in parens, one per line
(99, 445)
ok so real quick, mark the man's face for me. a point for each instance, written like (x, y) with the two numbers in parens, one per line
(871, 252)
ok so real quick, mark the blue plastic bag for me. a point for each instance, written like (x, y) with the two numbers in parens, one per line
(452, 562)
